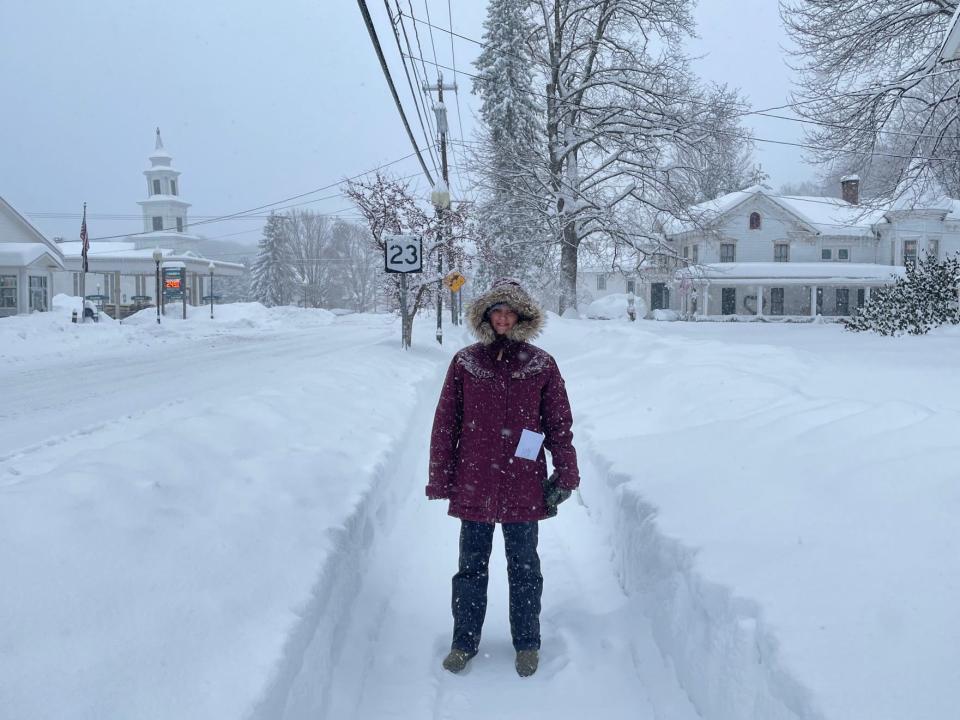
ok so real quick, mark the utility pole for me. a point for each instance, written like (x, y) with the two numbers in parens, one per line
(441, 197)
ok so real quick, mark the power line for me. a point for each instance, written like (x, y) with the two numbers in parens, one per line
(756, 139)
(413, 93)
(416, 34)
(426, 6)
(766, 112)
(240, 214)
(456, 94)
(365, 11)
(420, 84)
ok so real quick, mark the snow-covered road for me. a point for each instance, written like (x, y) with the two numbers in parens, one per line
(45, 401)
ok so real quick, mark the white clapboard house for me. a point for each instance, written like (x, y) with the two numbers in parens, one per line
(755, 253)
(28, 261)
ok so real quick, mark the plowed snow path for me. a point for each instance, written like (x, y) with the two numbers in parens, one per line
(597, 654)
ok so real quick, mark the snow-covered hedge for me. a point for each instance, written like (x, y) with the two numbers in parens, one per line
(924, 299)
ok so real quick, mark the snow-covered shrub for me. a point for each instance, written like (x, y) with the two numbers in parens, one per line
(925, 298)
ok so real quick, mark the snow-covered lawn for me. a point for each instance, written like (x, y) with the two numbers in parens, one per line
(225, 519)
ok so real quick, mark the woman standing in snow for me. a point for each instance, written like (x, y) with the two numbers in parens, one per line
(502, 403)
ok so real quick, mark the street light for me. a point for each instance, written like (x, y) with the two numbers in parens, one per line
(157, 257)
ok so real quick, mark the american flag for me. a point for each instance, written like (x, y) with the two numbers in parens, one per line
(84, 239)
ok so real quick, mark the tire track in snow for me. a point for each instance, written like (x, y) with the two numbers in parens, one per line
(78, 402)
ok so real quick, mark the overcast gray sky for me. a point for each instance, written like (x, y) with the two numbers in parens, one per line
(258, 102)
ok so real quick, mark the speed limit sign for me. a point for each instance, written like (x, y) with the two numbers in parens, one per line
(403, 253)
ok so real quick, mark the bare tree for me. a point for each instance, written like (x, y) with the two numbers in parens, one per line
(361, 266)
(313, 256)
(389, 208)
(882, 101)
(614, 80)
(721, 160)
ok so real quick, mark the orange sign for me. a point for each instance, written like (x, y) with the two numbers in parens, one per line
(172, 284)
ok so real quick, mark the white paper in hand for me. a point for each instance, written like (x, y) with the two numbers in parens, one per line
(529, 446)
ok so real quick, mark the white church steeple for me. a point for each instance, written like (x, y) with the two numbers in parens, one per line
(164, 213)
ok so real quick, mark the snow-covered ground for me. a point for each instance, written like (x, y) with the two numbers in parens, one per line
(225, 519)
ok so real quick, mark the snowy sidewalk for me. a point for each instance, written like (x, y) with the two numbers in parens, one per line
(598, 649)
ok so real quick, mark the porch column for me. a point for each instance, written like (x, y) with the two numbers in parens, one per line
(813, 301)
(706, 299)
(866, 294)
(118, 295)
(759, 301)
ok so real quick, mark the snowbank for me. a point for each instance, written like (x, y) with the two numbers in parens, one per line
(784, 499)
(614, 307)
(49, 336)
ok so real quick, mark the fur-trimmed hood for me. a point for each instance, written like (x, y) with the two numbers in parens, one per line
(509, 291)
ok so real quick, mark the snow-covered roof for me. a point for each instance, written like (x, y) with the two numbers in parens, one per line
(122, 254)
(920, 190)
(823, 215)
(29, 229)
(176, 199)
(831, 216)
(18, 254)
(835, 272)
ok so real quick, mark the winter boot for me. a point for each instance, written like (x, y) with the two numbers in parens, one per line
(527, 661)
(456, 660)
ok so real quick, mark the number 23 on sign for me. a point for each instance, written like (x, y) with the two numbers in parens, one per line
(403, 253)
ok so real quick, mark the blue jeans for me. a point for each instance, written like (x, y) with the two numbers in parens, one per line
(470, 584)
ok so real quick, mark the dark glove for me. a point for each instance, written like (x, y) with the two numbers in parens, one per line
(553, 494)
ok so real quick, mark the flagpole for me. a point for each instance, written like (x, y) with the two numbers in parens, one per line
(83, 266)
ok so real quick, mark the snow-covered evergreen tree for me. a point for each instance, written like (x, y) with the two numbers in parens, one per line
(273, 275)
(512, 237)
(924, 299)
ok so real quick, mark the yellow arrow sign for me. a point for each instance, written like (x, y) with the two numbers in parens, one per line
(454, 281)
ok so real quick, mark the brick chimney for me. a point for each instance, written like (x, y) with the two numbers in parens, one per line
(850, 189)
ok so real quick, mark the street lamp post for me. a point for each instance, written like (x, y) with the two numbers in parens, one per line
(157, 257)
(211, 267)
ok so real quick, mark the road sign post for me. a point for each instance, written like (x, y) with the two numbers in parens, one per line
(403, 254)
(175, 284)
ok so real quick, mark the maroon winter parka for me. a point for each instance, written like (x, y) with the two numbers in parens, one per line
(494, 390)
